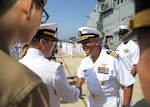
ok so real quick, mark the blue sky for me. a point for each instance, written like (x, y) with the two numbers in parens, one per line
(69, 15)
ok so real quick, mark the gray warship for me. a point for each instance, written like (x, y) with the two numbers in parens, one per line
(107, 15)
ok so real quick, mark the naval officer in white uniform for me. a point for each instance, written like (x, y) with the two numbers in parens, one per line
(104, 71)
(128, 50)
(52, 73)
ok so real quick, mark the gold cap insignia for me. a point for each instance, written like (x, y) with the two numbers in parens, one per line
(79, 33)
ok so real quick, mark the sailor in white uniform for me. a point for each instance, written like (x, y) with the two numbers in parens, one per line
(128, 50)
(104, 71)
(52, 73)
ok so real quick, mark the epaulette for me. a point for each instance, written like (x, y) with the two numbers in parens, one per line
(51, 59)
(112, 53)
(56, 61)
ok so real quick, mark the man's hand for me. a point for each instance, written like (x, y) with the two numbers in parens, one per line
(79, 83)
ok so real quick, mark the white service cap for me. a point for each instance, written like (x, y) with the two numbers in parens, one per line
(49, 30)
(123, 27)
(87, 32)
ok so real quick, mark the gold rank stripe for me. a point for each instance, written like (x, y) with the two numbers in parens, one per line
(49, 33)
(114, 54)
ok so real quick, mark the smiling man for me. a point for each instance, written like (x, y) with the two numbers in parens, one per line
(104, 72)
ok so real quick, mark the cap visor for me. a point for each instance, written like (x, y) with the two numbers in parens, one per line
(79, 40)
(132, 35)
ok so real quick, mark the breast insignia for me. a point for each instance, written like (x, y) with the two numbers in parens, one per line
(112, 53)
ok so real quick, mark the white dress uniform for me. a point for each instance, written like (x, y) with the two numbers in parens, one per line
(130, 52)
(71, 49)
(104, 79)
(53, 75)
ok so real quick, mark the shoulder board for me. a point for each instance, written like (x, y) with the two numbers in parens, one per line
(112, 53)
(54, 60)
(84, 55)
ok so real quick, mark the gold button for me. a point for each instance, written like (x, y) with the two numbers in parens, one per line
(96, 97)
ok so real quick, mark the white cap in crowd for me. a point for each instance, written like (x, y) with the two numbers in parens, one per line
(87, 32)
(47, 30)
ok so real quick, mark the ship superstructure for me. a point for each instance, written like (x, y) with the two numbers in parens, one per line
(107, 15)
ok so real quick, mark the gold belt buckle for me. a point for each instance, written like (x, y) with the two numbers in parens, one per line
(96, 97)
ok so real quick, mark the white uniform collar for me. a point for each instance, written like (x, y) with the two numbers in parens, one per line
(35, 51)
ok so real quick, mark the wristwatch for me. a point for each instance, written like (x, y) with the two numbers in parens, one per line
(126, 106)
